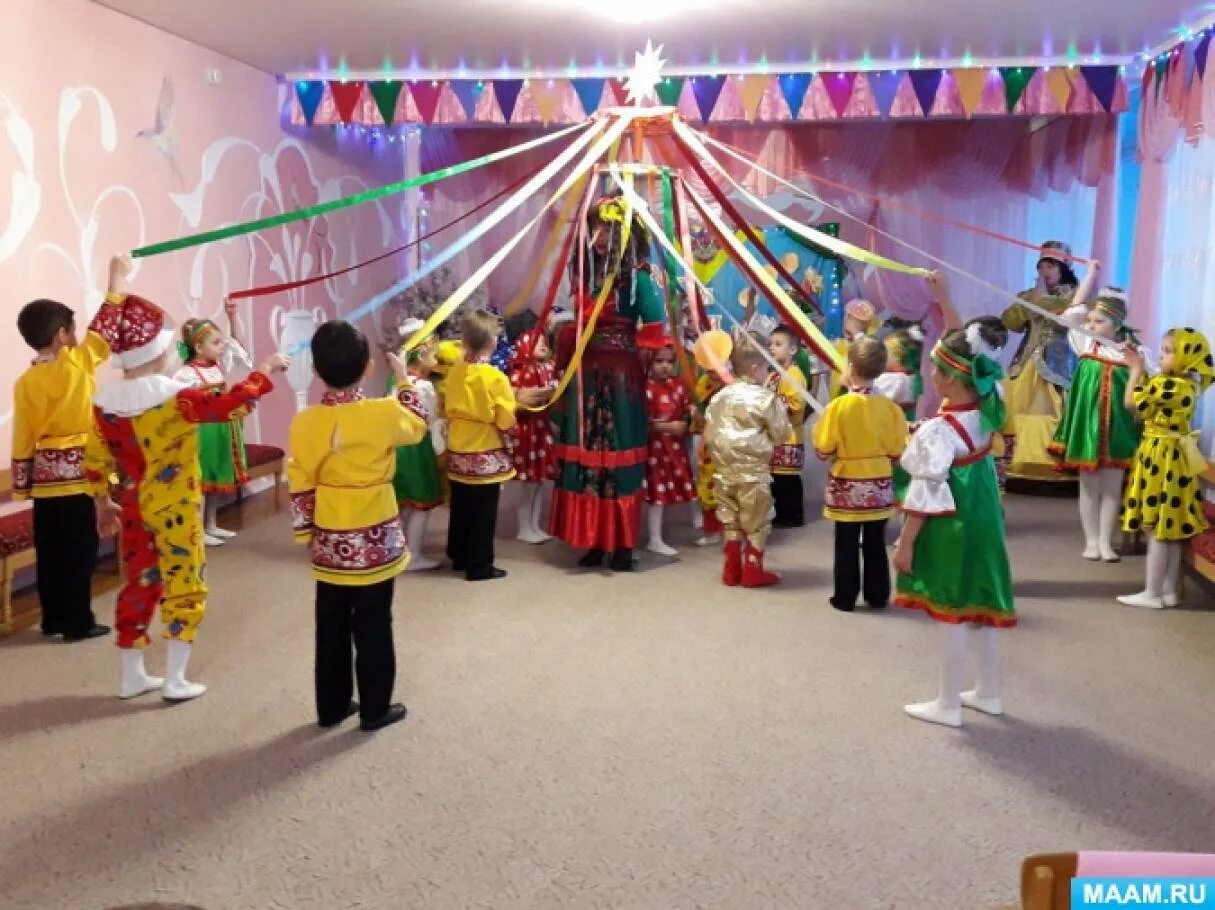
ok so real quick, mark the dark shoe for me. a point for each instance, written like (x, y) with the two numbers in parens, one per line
(880, 605)
(51, 633)
(493, 573)
(622, 561)
(391, 716)
(841, 606)
(592, 560)
(351, 710)
(97, 631)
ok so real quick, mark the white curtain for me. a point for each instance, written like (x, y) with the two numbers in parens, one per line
(1187, 283)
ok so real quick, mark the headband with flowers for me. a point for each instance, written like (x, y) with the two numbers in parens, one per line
(982, 374)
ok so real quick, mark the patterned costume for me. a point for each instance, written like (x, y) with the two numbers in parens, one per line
(668, 472)
(708, 385)
(530, 441)
(221, 446)
(146, 432)
(743, 425)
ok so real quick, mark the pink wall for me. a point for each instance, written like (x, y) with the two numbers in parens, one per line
(77, 82)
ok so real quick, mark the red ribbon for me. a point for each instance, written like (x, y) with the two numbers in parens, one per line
(267, 290)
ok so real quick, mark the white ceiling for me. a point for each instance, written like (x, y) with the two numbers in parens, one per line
(547, 37)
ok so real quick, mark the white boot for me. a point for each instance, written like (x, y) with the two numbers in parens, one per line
(210, 522)
(1152, 596)
(698, 516)
(415, 535)
(528, 532)
(1110, 505)
(177, 687)
(1172, 575)
(135, 679)
(985, 696)
(1090, 508)
(537, 510)
(946, 708)
(657, 544)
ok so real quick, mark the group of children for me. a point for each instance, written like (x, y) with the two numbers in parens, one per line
(145, 454)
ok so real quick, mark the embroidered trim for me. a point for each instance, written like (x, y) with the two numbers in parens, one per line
(303, 511)
(846, 494)
(494, 463)
(411, 401)
(342, 396)
(626, 458)
(57, 466)
(23, 475)
(359, 549)
(786, 456)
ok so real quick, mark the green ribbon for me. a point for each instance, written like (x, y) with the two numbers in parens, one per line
(668, 219)
(324, 208)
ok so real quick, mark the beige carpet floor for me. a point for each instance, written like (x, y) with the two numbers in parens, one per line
(648, 742)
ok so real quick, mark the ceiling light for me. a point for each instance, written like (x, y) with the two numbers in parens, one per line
(634, 11)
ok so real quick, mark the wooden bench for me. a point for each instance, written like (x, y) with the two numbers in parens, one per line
(1199, 553)
(264, 461)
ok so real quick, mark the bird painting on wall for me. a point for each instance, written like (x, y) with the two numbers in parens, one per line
(161, 134)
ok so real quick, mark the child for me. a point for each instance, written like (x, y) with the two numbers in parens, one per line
(531, 440)
(1162, 492)
(707, 386)
(744, 423)
(52, 413)
(668, 470)
(339, 470)
(789, 458)
(860, 432)
(860, 319)
(208, 356)
(416, 481)
(480, 408)
(901, 380)
(146, 431)
(951, 555)
(1097, 434)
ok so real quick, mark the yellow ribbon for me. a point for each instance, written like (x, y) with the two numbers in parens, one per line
(519, 301)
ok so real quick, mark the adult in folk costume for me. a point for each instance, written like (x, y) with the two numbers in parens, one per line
(1041, 371)
(602, 429)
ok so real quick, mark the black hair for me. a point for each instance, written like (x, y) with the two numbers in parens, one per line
(598, 264)
(40, 321)
(340, 354)
(788, 333)
(1067, 275)
(991, 329)
(957, 343)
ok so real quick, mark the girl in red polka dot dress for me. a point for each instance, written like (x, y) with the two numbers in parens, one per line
(668, 474)
(530, 442)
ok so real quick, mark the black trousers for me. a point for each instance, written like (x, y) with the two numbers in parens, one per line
(470, 532)
(788, 500)
(857, 542)
(362, 616)
(65, 545)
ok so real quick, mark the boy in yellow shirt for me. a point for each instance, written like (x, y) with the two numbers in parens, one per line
(52, 414)
(340, 468)
(789, 457)
(480, 407)
(860, 433)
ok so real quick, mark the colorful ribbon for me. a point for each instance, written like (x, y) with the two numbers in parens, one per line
(519, 301)
(324, 208)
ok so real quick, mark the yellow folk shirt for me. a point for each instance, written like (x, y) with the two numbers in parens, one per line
(480, 406)
(860, 433)
(789, 457)
(52, 416)
(340, 467)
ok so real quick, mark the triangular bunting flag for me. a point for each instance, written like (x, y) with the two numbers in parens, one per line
(971, 83)
(925, 83)
(507, 93)
(885, 85)
(468, 91)
(620, 91)
(1161, 67)
(310, 95)
(1148, 72)
(426, 97)
(752, 89)
(1016, 78)
(547, 95)
(839, 90)
(707, 89)
(668, 90)
(1059, 86)
(345, 98)
(793, 86)
(1103, 80)
(590, 93)
(385, 95)
(1200, 54)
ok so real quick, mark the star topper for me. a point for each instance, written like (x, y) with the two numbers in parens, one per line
(642, 80)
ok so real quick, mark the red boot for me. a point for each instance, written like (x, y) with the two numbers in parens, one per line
(732, 574)
(753, 573)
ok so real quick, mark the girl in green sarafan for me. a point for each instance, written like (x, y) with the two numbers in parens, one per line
(951, 555)
(1098, 434)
